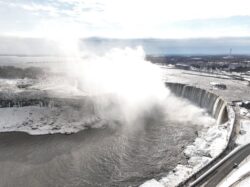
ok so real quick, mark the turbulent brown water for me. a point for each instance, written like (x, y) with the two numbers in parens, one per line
(110, 156)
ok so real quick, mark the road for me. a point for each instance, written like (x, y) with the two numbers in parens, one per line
(214, 175)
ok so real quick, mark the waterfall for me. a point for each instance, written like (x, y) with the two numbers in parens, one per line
(213, 104)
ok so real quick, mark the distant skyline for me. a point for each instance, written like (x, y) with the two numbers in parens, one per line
(201, 46)
(125, 19)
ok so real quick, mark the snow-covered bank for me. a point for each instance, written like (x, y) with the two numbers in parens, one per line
(209, 144)
(239, 177)
(211, 141)
(46, 120)
(244, 136)
(244, 124)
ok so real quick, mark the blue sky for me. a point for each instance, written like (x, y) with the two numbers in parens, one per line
(125, 19)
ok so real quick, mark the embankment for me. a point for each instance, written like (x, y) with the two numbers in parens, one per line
(220, 109)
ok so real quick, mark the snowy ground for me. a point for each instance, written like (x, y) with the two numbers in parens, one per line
(58, 86)
(236, 89)
(239, 177)
(244, 126)
(45, 120)
(210, 142)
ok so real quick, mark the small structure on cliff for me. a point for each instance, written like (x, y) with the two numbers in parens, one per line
(217, 85)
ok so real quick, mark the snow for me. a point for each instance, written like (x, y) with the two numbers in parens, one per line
(244, 183)
(237, 174)
(175, 177)
(8, 85)
(152, 183)
(211, 140)
(244, 135)
(59, 86)
(243, 111)
(45, 120)
(55, 86)
(209, 143)
(240, 175)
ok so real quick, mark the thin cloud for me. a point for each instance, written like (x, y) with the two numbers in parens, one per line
(140, 18)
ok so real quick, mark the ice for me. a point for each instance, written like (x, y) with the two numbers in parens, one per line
(175, 177)
(244, 136)
(152, 183)
(45, 120)
(210, 142)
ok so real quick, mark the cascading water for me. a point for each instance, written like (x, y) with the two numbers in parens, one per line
(140, 131)
(215, 105)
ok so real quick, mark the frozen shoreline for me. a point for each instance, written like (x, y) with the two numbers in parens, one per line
(211, 141)
(44, 120)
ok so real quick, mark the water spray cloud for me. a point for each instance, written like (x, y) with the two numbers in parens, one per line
(126, 86)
